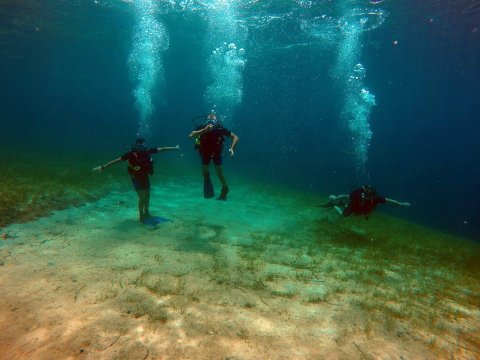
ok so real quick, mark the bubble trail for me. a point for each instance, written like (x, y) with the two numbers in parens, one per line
(358, 101)
(150, 39)
(225, 35)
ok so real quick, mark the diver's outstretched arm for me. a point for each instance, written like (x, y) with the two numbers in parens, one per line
(168, 148)
(102, 167)
(398, 203)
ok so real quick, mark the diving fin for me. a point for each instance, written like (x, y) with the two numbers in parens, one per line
(208, 191)
(155, 220)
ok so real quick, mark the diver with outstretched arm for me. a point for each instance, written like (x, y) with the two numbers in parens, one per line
(140, 167)
(103, 167)
(361, 201)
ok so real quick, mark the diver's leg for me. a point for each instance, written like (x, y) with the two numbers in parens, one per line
(221, 177)
(137, 184)
(223, 181)
(146, 205)
(347, 211)
(141, 204)
(205, 170)
(338, 210)
(142, 185)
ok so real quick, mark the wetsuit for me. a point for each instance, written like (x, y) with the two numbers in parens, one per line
(360, 204)
(211, 145)
(140, 166)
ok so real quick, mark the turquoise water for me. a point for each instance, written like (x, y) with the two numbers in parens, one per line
(324, 96)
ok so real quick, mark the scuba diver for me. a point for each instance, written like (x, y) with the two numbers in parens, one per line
(209, 139)
(140, 167)
(361, 201)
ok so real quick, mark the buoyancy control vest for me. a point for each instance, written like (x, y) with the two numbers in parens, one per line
(140, 162)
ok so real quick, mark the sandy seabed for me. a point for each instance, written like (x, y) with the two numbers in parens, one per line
(265, 275)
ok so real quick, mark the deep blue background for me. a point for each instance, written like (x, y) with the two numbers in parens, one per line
(66, 88)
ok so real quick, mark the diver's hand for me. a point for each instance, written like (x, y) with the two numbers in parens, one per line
(406, 204)
(177, 147)
(332, 197)
(232, 153)
(98, 168)
(208, 127)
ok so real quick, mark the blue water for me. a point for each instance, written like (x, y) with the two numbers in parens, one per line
(323, 95)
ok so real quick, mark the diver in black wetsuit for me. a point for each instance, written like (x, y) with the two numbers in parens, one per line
(140, 167)
(209, 142)
(361, 201)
